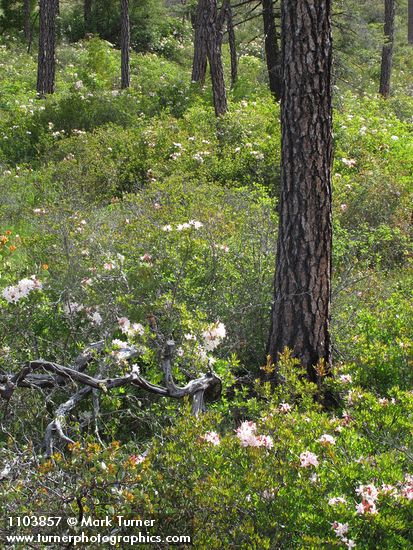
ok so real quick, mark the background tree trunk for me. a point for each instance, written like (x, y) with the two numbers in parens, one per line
(26, 21)
(410, 22)
(199, 63)
(125, 44)
(387, 53)
(272, 52)
(301, 310)
(87, 16)
(215, 23)
(47, 47)
(231, 42)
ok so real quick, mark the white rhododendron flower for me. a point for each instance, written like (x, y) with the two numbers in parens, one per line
(119, 344)
(73, 307)
(327, 439)
(12, 294)
(124, 324)
(214, 335)
(211, 437)
(96, 318)
(337, 500)
(131, 329)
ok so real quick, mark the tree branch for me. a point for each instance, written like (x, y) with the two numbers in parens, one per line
(208, 384)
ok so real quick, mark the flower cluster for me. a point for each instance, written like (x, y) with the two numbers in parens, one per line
(285, 407)
(345, 378)
(214, 335)
(137, 459)
(246, 433)
(131, 329)
(12, 294)
(341, 529)
(337, 500)
(307, 458)
(327, 439)
(369, 494)
(211, 437)
(181, 226)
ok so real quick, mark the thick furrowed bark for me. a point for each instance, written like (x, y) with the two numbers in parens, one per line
(199, 63)
(387, 52)
(272, 52)
(231, 41)
(125, 44)
(301, 309)
(47, 47)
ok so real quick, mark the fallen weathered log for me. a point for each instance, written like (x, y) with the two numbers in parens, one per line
(59, 375)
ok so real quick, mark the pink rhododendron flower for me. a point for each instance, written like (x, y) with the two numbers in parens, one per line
(265, 441)
(124, 324)
(368, 492)
(388, 489)
(246, 433)
(366, 506)
(340, 529)
(147, 258)
(407, 488)
(307, 458)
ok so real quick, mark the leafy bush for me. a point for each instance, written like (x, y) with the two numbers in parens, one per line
(290, 476)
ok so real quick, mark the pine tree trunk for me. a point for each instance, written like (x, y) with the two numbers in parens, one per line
(387, 53)
(215, 23)
(231, 42)
(47, 47)
(125, 44)
(272, 52)
(26, 21)
(87, 16)
(302, 288)
(410, 22)
(199, 63)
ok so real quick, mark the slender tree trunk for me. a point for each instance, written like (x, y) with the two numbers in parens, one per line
(387, 53)
(272, 52)
(301, 310)
(47, 47)
(125, 44)
(231, 42)
(87, 16)
(410, 22)
(26, 20)
(199, 63)
(215, 23)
